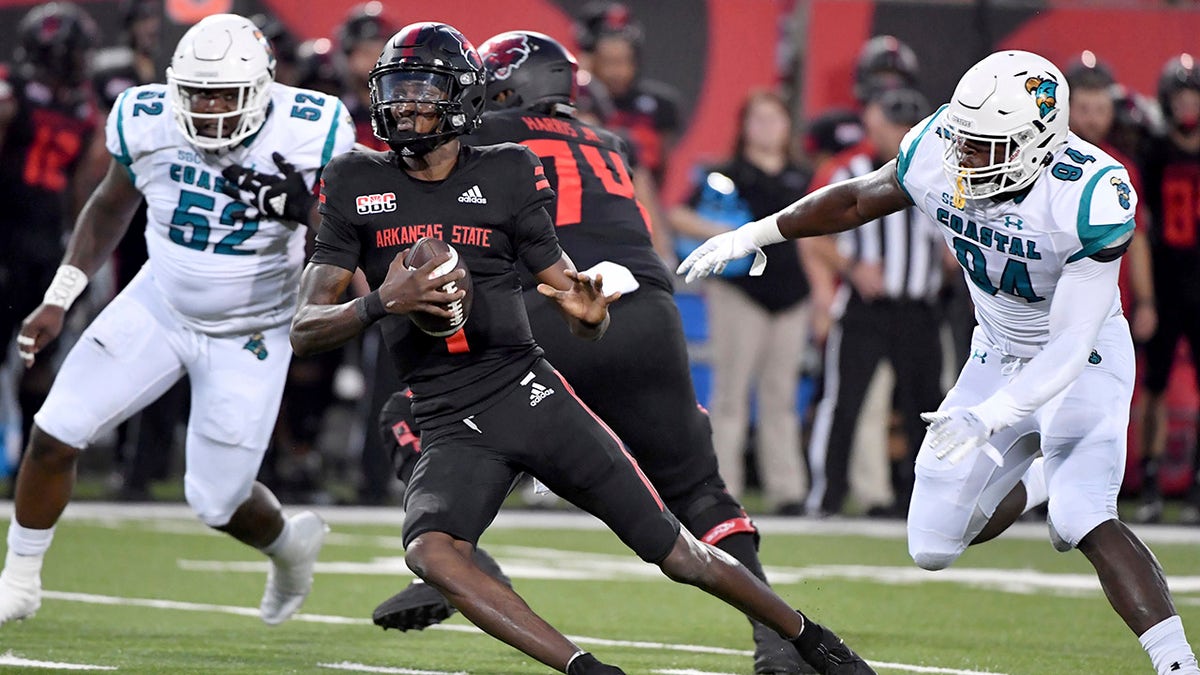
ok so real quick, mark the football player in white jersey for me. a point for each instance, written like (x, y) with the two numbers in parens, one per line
(213, 302)
(1038, 219)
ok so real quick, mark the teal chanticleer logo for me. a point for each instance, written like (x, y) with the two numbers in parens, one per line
(1094, 357)
(1045, 94)
(1123, 191)
(257, 346)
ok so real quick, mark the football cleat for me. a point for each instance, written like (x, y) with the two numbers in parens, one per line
(20, 587)
(415, 608)
(420, 605)
(829, 655)
(291, 576)
(774, 655)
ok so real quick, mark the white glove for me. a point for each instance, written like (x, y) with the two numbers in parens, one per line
(617, 278)
(712, 256)
(955, 433)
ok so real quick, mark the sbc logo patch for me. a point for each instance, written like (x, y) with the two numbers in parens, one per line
(377, 203)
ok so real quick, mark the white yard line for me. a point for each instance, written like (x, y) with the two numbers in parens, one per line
(364, 668)
(456, 628)
(14, 661)
(574, 520)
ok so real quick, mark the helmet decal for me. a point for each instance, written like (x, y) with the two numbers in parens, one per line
(1044, 94)
(506, 56)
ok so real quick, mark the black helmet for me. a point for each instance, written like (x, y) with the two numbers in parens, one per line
(1181, 72)
(54, 40)
(315, 66)
(537, 72)
(1088, 72)
(278, 36)
(363, 22)
(439, 58)
(884, 63)
(604, 18)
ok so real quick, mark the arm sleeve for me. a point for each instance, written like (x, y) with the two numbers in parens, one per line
(1083, 300)
(337, 239)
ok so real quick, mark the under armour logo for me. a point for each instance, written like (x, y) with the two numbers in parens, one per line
(1013, 222)
(1175, 666)
(982, 356)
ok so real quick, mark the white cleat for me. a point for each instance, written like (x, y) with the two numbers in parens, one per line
(291, 575)
(20, 588)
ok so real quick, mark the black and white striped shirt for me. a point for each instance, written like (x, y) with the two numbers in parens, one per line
(906, 243)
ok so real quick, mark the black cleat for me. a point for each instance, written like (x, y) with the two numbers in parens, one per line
(414, 608)
(774, 655)
(420, 605)
(827, 653)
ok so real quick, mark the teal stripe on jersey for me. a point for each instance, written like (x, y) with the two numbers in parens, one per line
(1094, 237)
(124, 157)
(905, 158)
(327, 152)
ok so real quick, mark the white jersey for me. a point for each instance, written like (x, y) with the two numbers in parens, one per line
(1013, 251)
(221, 274)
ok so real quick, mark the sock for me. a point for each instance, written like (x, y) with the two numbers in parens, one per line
(1168, 647)
(1036, 492)
(581, 663)
(810, 635)
(26, 541)
(280, 544)
(741, 547)
(1150, 478)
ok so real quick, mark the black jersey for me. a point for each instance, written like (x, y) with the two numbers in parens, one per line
(597, 216)
(1172, 179)
(492, 209)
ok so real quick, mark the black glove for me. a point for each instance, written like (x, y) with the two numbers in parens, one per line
(281, 196)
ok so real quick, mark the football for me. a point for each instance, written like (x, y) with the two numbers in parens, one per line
(426, 249)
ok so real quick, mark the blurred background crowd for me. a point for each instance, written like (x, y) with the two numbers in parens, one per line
(814, 374)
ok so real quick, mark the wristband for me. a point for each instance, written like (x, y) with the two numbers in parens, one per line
(369, 308)
(69, 282)
(765, 232)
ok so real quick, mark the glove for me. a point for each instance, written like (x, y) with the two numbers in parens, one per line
(713, 255)
(283, 197)
(955, 433)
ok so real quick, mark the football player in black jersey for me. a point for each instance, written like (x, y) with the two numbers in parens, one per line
(531, 90)
(489, 406)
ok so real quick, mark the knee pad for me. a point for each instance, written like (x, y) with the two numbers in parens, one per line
(214, 505)
(934, 557)
(711, 514)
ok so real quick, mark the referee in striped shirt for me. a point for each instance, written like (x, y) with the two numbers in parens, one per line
(891, 271)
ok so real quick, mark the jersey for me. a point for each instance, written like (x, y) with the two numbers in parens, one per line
(221, 273)
(597, 215)
(492, 210)
(1013, 251)
(43, 145)
(1174, 175)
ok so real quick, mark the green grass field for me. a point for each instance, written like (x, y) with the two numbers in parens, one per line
(143, 591)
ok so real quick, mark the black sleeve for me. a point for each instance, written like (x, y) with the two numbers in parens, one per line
(1114, 251)
(536, 242)
(337, 240)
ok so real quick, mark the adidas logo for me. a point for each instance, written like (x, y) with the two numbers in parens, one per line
(537, 392)
(472, 196)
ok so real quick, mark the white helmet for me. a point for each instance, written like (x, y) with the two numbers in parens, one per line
(223, 51)
(1013, 106)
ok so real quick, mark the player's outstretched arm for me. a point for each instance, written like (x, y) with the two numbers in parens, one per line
(100, 225)
(834, 208)
(580, 298)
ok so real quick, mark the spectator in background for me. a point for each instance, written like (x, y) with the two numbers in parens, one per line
(1171, 170)
(48, 120)
(316, 67)
(285, 45)
(891, 271)
(647, 112)
(361, 37)
(758, 326)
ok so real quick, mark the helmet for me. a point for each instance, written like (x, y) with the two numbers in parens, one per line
(604, 18)
(316, 68)
(223, 51)
(1088, 72)
(53, 42)
(537, 72)
(441, 59)
(1181, 72)
(1013, 106)
(884, 63)
(363, 22)
(282, 41)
